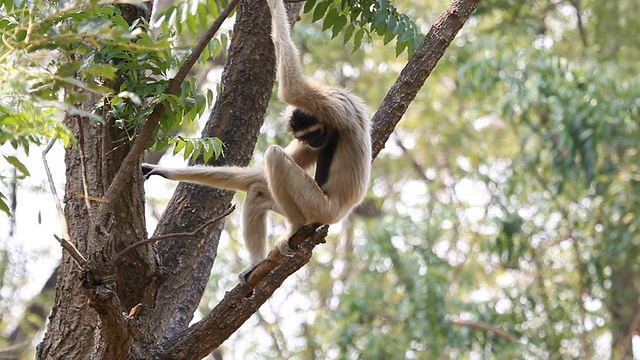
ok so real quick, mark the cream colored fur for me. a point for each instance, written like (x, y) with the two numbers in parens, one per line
(284, 185)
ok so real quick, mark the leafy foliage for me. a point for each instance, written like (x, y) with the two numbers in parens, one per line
(357, 18)
(193, 147)
(86, 48)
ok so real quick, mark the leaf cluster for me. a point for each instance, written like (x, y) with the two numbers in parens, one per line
(57, 54)
(357, 18)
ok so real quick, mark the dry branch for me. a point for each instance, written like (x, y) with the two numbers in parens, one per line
(242, 301)
(54, 192)
(65, 240)
(487, 327)
(73, 251)
(126, 251)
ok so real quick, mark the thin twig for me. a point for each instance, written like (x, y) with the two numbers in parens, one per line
(487, 327)
(83, 166)
(66, 244)
(414, 163)
(73, 251)
(122, 254)
(583, 34)
(54, 193)
(14, 347)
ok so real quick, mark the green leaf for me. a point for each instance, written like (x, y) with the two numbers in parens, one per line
(102, 70)
(196, 150)
(406, 36)
(188, 148)
(348, 32)
(18, 165)
(69, 69)
(202, 15)
(320, 10)
(308, 6)
(338, 25)
(180, 143)
(330, 19)
(357, 39)
(380, 17)
(400, 46)
(208, 150)
(218, 146)
(3, 206)
(388, 36)
(192, 24)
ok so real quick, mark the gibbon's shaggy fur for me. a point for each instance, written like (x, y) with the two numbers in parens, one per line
(331, 129)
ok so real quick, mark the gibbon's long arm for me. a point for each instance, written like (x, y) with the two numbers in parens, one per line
(335, 106)
(224, 177)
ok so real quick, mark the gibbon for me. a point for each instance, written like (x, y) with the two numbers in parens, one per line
(331, 129)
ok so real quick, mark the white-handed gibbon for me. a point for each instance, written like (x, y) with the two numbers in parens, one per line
(331, 129)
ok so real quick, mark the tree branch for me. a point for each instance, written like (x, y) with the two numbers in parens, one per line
(626, 343)
(487, 327)
(65, 240)
(73, 251)
(126, 251)
(83, 166)
(54, 192)
(418, 69)
(133, 156)
(242, 301)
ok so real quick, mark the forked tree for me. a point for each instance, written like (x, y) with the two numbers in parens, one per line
(121, 294)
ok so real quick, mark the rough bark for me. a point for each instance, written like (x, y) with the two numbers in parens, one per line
(236, 119)
(75, 311)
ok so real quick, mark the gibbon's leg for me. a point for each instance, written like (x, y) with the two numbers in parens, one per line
(296, 194)
(254, 224)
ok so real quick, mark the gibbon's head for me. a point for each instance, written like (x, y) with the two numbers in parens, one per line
(307, 128)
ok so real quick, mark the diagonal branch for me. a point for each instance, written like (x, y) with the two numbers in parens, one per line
(126, 251)
(65, 241)
(242, 301)
(133, 157)
(73, 251)
(418, 69)
(487, 327)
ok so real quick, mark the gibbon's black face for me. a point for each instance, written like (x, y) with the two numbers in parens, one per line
(308, 129)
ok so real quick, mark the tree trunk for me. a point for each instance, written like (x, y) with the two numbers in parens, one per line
(74, 330)
(86, 320)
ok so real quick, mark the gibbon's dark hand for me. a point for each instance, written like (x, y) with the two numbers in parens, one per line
(148, 170)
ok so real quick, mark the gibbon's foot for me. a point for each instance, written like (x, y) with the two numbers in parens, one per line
(243, 277)
(284, 248)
